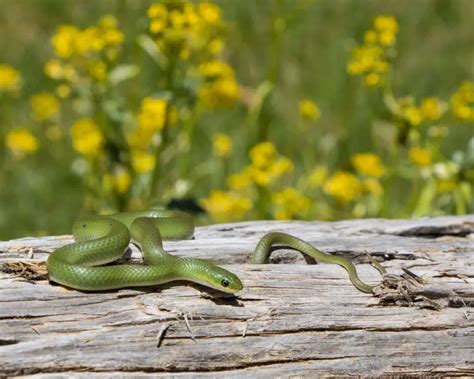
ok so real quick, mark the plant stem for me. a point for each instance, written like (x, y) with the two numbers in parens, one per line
(169, 86)
(263, 203)
(190, 127)
(266, 114)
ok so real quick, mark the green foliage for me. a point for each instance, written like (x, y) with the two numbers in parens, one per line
(257, 109)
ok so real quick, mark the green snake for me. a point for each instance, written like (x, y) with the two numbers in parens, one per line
(101, 240)
(263, 250)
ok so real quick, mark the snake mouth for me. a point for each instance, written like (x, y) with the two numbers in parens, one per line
(211, 284)
(229, 284)
(231, 290)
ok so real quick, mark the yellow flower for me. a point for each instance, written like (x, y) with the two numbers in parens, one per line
(318, 176)
(222, 145)
(185, 28)
(84, 53)
(184, 53)
(265, 175)
(432, 108)
(421, 157)
(413, 115)
(108, 22)
(385, 23)
(373, 186)
(157, 26)
(157, 10)
(151, 118)
(45, 106)
(152, 114)
(386, 28)
(364, 58)
(108, 37)
(260, 176)
(215, 46)
(88, 41)
(64, 40)
(121, 180)
(370, 59)
(381, 67)
(21, 141)
(54, 69)
(142, 161)
(140, 138)
(220, 93)
(462, 102)
(309, 110)
(387, 38)
(63, 91)
(368, 164)
(216, 70)
(266, 165)
(87, 139)
(290, 203)
(10, 79)
(281, 166)
(210, 13)
(177, 18)
(344, 186)
(194, 30)
(226, 206)
(370, 37)
(111, 35)
(263, 154)
(98, 70)
(220, 88)
(240, 181)
(372, 79)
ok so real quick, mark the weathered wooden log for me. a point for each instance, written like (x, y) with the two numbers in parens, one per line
(291, 318)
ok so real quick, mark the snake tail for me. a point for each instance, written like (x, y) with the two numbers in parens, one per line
(263, 250)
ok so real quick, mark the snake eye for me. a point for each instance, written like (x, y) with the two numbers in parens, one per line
(84, 225)
(225, 282)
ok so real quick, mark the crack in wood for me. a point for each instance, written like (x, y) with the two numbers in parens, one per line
(431, 232)
(173, 369)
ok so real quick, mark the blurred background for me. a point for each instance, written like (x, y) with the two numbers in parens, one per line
(234, 110)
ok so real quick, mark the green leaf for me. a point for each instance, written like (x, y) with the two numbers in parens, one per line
(424, 205)
(153, 51)
(262, 92)
(123, 72)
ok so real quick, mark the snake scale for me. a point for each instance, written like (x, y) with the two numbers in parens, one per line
(101, 240)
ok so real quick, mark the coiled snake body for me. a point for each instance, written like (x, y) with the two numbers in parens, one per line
(104, 239)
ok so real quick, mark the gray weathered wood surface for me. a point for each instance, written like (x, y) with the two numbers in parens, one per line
(291, 318)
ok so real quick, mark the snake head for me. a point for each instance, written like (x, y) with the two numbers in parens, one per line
(226, 281)
(210, 275)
